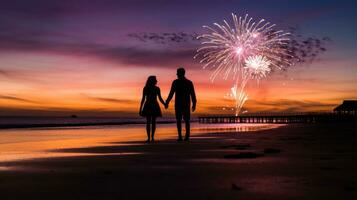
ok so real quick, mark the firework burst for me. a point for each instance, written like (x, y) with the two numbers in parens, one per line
(243, 50)
(257, 66)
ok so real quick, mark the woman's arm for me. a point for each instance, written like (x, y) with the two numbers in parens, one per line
(142, 102)
(160, 98)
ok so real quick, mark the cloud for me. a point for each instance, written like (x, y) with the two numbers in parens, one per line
(14, 98)
(274, 106)
(311, 13)
(165, 38)
(3, 72)
(57, 8)
(288, 102)
(20, 30)
(6, 112)
(110, 100)
(162, 57)
(306, 49)
(21, 76)
(287, 105)
(302, 49)
(9, 73)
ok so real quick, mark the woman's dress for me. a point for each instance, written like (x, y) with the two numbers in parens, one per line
(151, 106)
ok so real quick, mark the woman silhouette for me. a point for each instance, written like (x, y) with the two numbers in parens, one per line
(151, 108)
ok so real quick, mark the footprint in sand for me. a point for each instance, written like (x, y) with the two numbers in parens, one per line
(351, 188)
(245, 155)
(236, 187)
(271, 151)
(237, 146)
(330, 168)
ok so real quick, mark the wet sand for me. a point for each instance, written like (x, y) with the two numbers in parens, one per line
(289, 162)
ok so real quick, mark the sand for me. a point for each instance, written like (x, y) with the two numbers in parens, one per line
(290, 162)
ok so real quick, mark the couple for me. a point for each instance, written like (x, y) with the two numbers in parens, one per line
(184, 93)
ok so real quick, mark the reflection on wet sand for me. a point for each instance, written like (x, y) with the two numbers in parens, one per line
(42, 143)
(236, 128)
(53, 154)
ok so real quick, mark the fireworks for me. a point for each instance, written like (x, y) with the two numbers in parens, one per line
(257, 66)
(244, 50)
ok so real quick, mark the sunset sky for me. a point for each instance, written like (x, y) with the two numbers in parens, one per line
(87, 57)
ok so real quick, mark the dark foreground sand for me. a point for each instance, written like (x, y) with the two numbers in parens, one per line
(291, 162)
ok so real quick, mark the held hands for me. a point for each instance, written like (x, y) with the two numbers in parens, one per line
(166, 104)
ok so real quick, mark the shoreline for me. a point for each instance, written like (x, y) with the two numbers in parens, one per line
(58, 125)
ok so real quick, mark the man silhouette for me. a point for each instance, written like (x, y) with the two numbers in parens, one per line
(184, 93)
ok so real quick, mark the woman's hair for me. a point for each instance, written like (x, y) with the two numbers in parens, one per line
(151, 82)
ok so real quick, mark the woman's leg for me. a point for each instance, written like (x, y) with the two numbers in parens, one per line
(153, 126)
(148, 122)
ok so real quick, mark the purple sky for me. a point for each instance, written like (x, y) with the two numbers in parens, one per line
(104, 45)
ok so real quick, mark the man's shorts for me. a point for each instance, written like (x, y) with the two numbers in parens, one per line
(183, 113)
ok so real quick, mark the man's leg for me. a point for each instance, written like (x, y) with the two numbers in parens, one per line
(178, 123)
(186, 117)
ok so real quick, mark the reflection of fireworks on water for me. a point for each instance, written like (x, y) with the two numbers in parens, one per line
(246, 50)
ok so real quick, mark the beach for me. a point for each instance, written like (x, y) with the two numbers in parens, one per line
(296, 161)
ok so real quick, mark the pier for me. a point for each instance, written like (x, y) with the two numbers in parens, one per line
(279, 118)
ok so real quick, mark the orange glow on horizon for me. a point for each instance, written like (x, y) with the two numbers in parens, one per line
(75, 85)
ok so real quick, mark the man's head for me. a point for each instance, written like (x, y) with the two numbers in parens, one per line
(180, 72)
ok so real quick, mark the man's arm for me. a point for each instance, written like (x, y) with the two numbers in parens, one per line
(193, 97)
(171, 94)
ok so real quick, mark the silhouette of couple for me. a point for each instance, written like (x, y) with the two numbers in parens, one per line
(184, 94)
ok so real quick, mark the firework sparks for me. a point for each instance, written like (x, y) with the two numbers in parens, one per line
(257, 66)
(245, 50)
